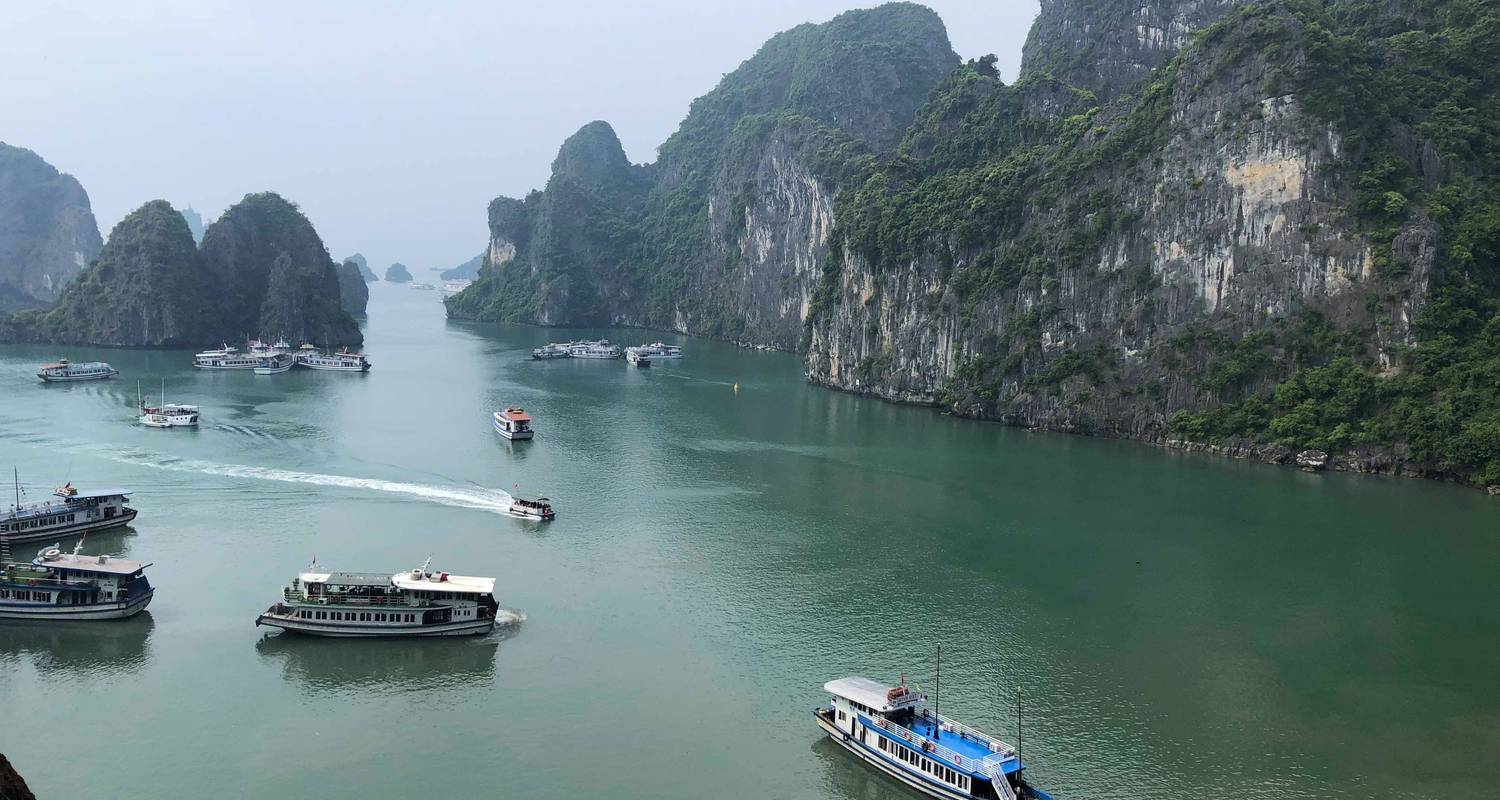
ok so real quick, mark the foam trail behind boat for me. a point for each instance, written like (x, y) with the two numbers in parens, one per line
(493, 500)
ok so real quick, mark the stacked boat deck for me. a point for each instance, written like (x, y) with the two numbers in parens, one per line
(970, 745)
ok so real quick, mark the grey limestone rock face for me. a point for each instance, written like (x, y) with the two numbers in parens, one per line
(47, 229)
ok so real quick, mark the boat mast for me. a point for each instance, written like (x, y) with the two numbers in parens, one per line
(1018, 722)
(937, 691)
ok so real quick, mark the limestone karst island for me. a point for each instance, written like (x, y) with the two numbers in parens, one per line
(1046, 400)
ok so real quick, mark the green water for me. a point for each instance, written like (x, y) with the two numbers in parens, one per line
(1184, 627)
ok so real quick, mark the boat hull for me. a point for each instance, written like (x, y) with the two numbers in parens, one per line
(75, 378)
(273, 370)
(155, 421)
(514, 435)
(336, 368)
(96, 611)
(337, 630)
(76, 529)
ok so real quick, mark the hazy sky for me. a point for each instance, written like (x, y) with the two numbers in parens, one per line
(392, 124)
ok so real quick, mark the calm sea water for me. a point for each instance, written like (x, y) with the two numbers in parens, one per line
(1181, 627)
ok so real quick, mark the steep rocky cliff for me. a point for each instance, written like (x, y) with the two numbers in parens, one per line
(157, 292)
(274, 276)
(194, 222)
(354, 293)
(262, 271)
(364, 268)
(1260, 226)
(672, 244)
(47, 229)
(12, 786)
(1242, 244)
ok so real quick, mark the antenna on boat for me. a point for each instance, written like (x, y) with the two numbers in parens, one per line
(426, 564)
(937, 691)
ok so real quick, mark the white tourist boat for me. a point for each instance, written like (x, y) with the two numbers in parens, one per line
(63, 371)
(892, 729)
(532, 508)
(552, 350)
(274, 363)
(426, 287)
(73, 586)
(342, 361)
(638, 356)
(365, 604)
(661, 350)
(69, 513)
(599, 349)
(513, 423)
(225, 357)
(167, 415)
(453, 287)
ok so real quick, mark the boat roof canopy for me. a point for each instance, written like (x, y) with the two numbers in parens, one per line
(867, 692)
(517, 414)
(440, 582)
(81, 494)
(108, 565)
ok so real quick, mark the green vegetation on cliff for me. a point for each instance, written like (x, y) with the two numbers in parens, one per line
(147, 287)
(611, 242)
(1398, 89)
(262, 272)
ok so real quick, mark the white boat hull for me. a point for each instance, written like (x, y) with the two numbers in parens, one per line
(509, 434)
(159, 421)
(470, 627)
(273, 370)
(73, 378)
(335, 368)
(96, 611)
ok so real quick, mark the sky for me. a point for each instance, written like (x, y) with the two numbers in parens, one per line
(391, 124)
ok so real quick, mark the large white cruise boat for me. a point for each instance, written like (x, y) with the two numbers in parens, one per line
(342, 361)
(363, 604)
(892, 729)
(72, 586)
(274, 363)
(661, 350)
(599, 349)
(225, 357)
(71, 513)
(63, 371)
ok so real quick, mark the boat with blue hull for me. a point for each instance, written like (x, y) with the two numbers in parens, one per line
(58, 586)
(891, 728)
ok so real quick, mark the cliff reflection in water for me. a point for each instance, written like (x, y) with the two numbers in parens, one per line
(388, 665)
(89, 650)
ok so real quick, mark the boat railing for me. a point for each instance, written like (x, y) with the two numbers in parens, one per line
(989, 766)
(295, 596)
(46, 583)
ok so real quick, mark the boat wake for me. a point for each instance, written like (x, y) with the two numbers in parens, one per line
(495, 501)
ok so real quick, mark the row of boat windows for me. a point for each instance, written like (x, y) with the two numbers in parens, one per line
(44, 522)
(356, 616)
(926, 765)
(25, 594)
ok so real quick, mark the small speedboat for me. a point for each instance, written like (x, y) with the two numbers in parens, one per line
(513, 423)
(538, 508)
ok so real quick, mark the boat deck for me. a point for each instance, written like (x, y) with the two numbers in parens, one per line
(972, 747)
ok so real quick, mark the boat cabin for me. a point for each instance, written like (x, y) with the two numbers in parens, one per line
(72, 513)
(540, 508)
